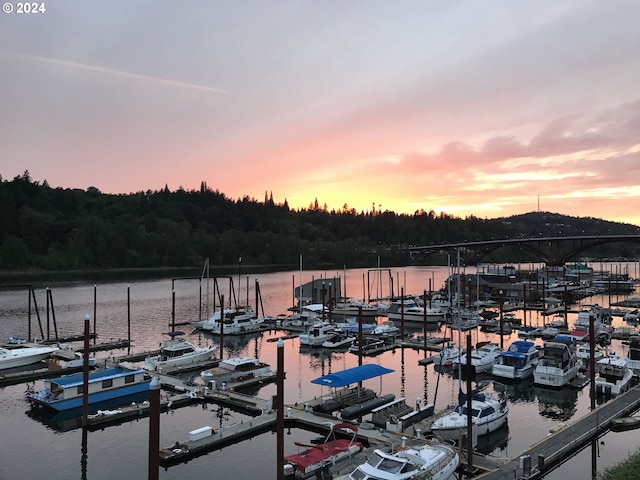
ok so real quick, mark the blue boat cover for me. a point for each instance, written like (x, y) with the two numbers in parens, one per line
(352, 375)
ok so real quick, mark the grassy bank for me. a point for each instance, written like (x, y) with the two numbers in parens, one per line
(627, 470)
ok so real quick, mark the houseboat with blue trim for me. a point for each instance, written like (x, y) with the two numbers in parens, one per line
(65, 392)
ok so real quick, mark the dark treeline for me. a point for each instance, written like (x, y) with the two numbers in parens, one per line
(45, 228)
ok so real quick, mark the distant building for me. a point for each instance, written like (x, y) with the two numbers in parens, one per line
(321, 290)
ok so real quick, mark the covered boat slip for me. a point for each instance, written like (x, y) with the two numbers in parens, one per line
(347, 396)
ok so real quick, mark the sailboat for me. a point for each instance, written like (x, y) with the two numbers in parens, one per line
(487, 412)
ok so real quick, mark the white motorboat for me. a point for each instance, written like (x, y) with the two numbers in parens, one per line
(558, 365)
(517, 362)
(350, 307)
(447, 355)
(601, 317)
(207, 323)
(178, 352)
(613, 375)
(482, 358)
(317, 334)
(308, 315)
(237, 323)
(409, 310)
(24, 354)
(583, 352)
(437, 459)
(488, 414)
(529, 331)
(235, 369)
(386, 328)
(369, 346)
(633, 355)
(339, 340)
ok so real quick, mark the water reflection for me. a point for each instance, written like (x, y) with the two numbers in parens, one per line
(521, 391)
(560, 404)
(494, 442)
(71, 419)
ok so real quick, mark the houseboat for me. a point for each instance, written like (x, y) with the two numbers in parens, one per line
(66, 392)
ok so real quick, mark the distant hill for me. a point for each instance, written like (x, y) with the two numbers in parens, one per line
(56, 229)
(549, 224)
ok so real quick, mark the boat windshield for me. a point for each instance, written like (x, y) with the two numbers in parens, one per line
(385, 464)
(462, 410)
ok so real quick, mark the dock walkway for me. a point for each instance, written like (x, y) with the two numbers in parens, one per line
(295, 416)
(565, 442)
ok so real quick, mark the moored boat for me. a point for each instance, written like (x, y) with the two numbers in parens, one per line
(613, 375)
(633, 355)
(488, 414)
(408, 310)
(339, 340)
(350, 307)
(447, 355)
(65, 392)
(317, 334)
(437, 459)
(235, 369)
(625, 423)
(24, 354)
(482, 358)
(386, 328)
(314, 458)
(558, 365)
(517, 362)
(178, 352)
(236, 323)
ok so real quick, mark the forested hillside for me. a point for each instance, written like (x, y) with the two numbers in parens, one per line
(42, 227)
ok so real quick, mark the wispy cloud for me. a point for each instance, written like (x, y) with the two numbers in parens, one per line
(119, 73)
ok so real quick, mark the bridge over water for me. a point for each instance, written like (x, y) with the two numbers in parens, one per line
(550, 250)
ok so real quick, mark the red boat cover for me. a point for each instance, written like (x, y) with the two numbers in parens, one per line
(318, 453)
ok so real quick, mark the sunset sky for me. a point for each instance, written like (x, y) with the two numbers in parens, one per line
(486, 108)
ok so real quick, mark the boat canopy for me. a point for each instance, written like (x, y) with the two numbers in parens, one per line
(352, 375)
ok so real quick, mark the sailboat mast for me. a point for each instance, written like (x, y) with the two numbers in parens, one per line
(459, 313)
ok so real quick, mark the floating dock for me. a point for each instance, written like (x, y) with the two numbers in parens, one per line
(564, 443)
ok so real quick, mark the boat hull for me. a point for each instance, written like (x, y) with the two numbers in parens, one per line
(229, 377)
(458, 426)
(554, 377)
(183, 361)
(65, 393)
(105, 396)
(512, 373)
(14, 358)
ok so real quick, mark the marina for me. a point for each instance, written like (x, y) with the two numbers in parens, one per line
(246, 420)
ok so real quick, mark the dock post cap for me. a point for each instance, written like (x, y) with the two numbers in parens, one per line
(155, 383)
(87, 317)
(280, 343)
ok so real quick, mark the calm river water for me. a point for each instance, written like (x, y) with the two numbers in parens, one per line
(31, 449)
